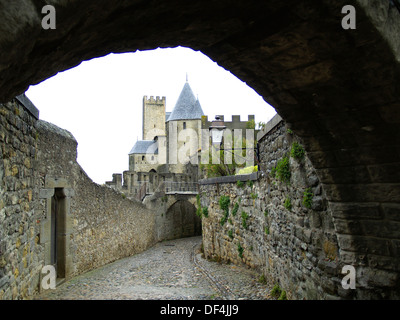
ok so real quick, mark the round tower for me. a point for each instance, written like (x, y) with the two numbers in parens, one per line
(184, 130)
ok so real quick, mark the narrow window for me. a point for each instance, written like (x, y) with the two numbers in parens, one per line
(184, 125)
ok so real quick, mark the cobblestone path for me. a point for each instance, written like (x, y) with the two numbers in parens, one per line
(171, 270)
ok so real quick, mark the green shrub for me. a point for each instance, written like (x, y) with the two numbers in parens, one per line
(224, 218)
(240, 250)
(198, 211)
(205, 212)
(251, 124)
(224, 202)
(250, 183)
(297, 152)
(282, 295)
(235, 209)
(253, 195)
(266, 229)
(240, 184)
(276, 291)
(230, 233)
(288, 204)
(307, 198)
(282, 170)
(245, 216)
(262, 279)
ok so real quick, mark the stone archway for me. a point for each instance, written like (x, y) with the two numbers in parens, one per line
(181, 220)
(339, 90)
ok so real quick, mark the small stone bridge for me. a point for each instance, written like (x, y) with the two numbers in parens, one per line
(176, 205)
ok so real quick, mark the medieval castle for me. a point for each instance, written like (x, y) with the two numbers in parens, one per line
(168, 154)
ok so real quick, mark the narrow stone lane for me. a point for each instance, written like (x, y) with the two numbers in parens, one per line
(171, 270)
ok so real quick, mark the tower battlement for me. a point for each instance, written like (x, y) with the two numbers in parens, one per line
(236, 123)
(156, 100)
(153, 116)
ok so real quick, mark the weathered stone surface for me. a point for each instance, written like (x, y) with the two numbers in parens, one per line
(294, 247)
(303, 248)
(96, 224)
(337, 89)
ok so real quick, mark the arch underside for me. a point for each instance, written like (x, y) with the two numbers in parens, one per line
(339, 90)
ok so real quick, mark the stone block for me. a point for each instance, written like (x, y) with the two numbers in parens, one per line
(373, 192)
(381, 228)
(348, 226)
(364, 245)
(46, 193)
(391, 211)
(45, 231)
(355, 210)
(385, 263)
(385, 172)
(370, 278)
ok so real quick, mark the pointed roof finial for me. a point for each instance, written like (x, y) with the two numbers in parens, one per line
(187, 77)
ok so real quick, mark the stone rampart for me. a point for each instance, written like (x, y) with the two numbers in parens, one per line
(40, 178)
(270, 227)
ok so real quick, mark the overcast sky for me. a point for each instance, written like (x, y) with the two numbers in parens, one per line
(100, 101)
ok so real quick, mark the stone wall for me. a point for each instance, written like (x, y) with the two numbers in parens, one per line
(96, 224)
(104, 226)
(20, 252)
(294, 245)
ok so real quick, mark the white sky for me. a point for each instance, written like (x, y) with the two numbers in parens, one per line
(100, 101)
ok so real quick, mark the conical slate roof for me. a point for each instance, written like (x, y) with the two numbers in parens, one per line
(144, 147)
(187, 107)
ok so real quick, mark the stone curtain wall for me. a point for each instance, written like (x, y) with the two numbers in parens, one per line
(38, 160)
(20, 252)
(105, 226)
(292, 245)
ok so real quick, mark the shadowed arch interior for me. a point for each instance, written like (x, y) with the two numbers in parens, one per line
(339, 90)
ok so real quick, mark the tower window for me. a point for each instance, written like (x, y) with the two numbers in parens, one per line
(184, 125)
(142, 158)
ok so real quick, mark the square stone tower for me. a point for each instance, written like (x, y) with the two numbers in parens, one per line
(153, 117)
